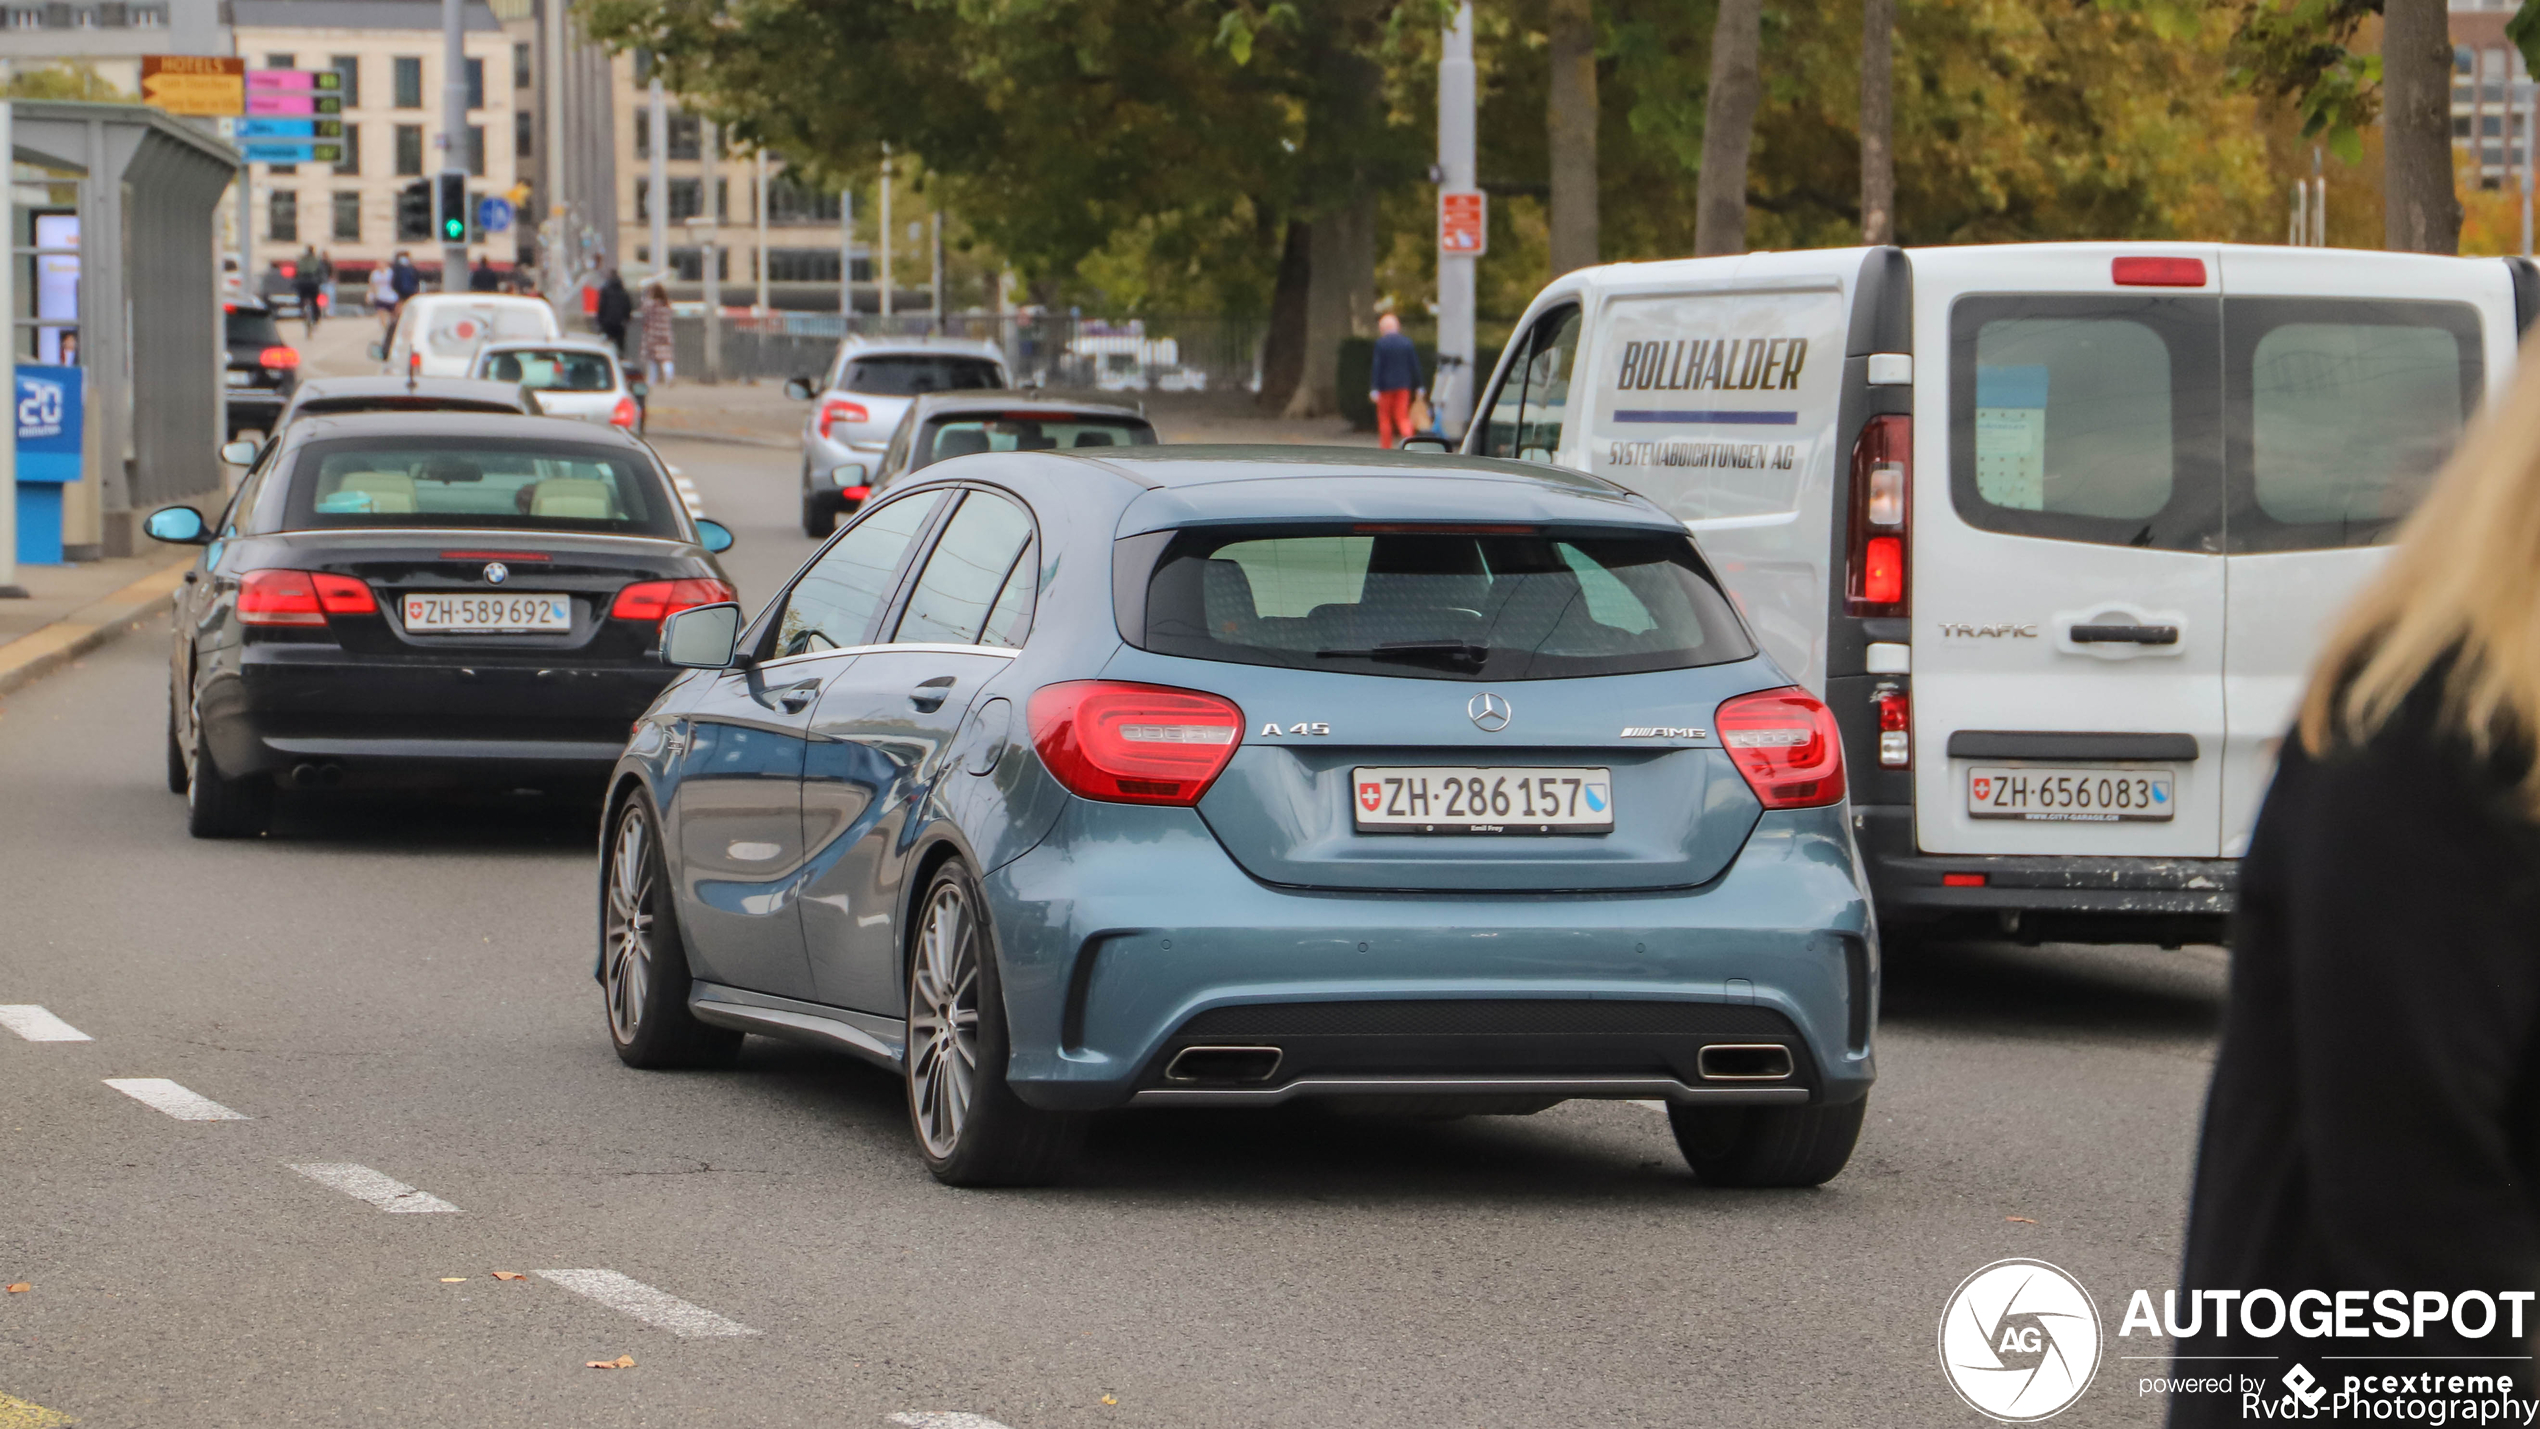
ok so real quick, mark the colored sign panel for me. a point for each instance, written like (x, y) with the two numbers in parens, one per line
(494, 215)
(303, 81)
(49, 419)
(290, 129)
(1463, 224)
(267, 102)
(212, 85)
(285, 151)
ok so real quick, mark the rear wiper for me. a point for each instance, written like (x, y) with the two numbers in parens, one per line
(1409, 651)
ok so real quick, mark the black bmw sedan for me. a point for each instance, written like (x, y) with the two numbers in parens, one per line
(425, 599)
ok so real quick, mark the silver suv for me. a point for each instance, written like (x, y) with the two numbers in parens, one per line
(860, 402)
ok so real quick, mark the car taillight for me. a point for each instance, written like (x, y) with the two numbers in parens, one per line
(623, 415)
(658, 600)
(1882, 517)
(342, 595)
(2157, 272)
(834, 410)
(1786, 745)
(278, 357)
(855, 493)
(1134, 744)
(278, 597)
(1896, 727)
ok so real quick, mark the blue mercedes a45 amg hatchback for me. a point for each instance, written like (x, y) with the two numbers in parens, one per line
(1062, 781)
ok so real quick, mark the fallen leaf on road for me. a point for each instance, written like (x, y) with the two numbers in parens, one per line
(452, 1279)
(1111, 1399)
(2023, 1220)
(621, 1362)
(509, 1275)
(20, 1288)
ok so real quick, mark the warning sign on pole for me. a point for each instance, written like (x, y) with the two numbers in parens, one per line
(1463, 224)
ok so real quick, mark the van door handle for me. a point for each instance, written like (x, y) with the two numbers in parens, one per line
(929, 694)
(793, 698)
(2125, 635)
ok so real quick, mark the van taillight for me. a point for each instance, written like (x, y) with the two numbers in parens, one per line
(1784, 742)
(1133, 744)
(1896, 727)
(1882, 517)
(2157, 272)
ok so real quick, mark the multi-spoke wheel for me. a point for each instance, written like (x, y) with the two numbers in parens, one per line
(219, 807)
(643, 964)
(971, 1127)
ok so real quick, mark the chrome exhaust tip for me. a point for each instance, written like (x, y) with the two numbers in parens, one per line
(1744, 1062)
(312, 774)
(1223, 1064)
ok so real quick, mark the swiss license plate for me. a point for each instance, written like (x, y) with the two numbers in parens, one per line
(1447, 799)
(2071, 795)
(469, 613)
(238, 378)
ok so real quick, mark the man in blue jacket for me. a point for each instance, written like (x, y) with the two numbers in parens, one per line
(1394, 379)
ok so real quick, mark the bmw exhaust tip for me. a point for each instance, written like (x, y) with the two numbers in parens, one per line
(1739, 1062)
(1223, 1064)
(314, 774)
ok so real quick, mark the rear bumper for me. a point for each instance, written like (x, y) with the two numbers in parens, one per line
(2042, 898)
(1118, 952)
(252, 407)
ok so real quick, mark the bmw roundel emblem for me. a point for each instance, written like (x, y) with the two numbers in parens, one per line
(496, 573)
(1489, 712)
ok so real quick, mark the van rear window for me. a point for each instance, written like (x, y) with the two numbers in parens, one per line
(1501, 603)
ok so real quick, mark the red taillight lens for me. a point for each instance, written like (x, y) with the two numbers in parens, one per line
(278, 357)
(1962, 880)
(1896, 727)
(343, 595)
(655, 600)
(1134, 744)
(623, 415)
(834, 410)
(2158, 272)
(278, 598)
(1786, 745)
(855, 493)
(1882, 517)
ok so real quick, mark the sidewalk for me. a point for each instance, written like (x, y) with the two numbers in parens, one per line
(75, 609)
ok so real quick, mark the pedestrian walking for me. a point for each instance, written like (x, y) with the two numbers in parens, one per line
(615, 306)
(1394, 380)
(483, 279)
(660, 350)
(407, 278)
(305, 285)
(2371, 1123)
(383, 295)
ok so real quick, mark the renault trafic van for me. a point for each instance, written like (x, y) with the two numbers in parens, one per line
(2054, 528)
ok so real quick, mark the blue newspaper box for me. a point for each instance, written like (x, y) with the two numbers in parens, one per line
(50, 411)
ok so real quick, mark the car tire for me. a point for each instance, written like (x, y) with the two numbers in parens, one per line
(819, 517)
(176, 754)
(219, 807)
(1760, 1146)
(972, 1130)
(643, 959)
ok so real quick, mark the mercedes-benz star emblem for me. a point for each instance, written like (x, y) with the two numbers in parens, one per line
(1488, 711)
(496, 573)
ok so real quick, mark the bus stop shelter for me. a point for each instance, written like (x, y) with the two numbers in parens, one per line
(113, 229)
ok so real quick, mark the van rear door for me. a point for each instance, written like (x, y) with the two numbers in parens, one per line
(2067, 572)
(2339, 410)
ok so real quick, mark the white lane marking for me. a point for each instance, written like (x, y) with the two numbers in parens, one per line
(363, 1184)
(176, 1101)
(37, 1025)
(944, 1419)
(643, 1302)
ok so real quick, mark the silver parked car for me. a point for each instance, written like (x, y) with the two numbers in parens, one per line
(580, 378)
(868, 388)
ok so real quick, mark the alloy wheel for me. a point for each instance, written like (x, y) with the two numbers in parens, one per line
(628, 925)
(943, 1021)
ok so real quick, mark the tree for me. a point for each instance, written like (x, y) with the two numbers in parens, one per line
(63, 81)
(1728, 127)
(1878, 121)
(2421, 208)
(1570, 131)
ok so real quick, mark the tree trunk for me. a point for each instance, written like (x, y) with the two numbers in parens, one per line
(1570, 118)
(1283, 349)
(2423, 213)
(1358, 264)
(1728, 127)
(1342, 268)
(1878, 121)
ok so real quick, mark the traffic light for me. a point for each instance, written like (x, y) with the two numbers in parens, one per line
(451, 211)
(414, 211)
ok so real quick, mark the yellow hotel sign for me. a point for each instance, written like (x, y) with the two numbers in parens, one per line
(195, 84)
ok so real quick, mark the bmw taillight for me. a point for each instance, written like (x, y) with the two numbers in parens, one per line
(278, 597)
(1784, 742)
(835, 410)
(278, 357)
(1134, 744)
(658, 600)
(623, 415)
(1882, 517)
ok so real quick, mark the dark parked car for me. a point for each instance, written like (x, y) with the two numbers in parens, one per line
(941, 425)
(437, 598)
(343, 396)
(262, 369)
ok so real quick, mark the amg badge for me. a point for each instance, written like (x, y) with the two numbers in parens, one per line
(1664, 731)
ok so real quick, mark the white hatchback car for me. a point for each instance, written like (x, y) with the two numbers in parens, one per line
(580, 378)
(438, 333)
(868, 388)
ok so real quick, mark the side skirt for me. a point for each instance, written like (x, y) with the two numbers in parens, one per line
(879, 1040)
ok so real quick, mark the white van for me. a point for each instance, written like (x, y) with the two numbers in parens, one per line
(2054, 528)
(438, 333)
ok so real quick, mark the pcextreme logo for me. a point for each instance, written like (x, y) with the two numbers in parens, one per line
(2019, 1341)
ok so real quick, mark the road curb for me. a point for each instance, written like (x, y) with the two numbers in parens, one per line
(688, 434)
(40, 652)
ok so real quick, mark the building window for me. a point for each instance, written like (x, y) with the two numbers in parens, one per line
(520, 66)
(409, 77)
(524, 134)
(352, 164)
(791, 204)
(683, 134)
(150, 17)
(348, 218)
(282, 216)
(350, 67)
(802, 265)
(683, 200)
(282, 61)
(688, 265)
(476, 150)
(476, 84)
(409, 149)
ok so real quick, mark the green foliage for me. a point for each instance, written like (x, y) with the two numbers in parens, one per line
(2524, 30)
(2297, 50)
(63, 81)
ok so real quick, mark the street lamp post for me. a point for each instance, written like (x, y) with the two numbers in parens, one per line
(453, 143)
(1455, 175)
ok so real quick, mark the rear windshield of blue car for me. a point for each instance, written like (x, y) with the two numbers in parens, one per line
(1441, 603)
(456, 481)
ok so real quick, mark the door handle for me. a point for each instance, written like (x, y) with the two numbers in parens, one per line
(794, 699)
(929, 694)
(2125, 635)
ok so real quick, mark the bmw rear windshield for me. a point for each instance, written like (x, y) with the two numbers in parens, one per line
(1441, 602)
(443, 482)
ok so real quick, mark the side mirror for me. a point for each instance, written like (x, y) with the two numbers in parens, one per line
(798, 388)
(241, 452)
(1439, 445)
(378, 352)
(177, 525)
(701, 637)
(714, 535)
(851, 473)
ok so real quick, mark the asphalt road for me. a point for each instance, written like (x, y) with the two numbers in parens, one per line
(405, 987)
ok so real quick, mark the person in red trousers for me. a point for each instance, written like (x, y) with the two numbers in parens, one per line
(1393, 379)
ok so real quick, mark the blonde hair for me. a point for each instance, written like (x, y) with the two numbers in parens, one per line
(2463, 585)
